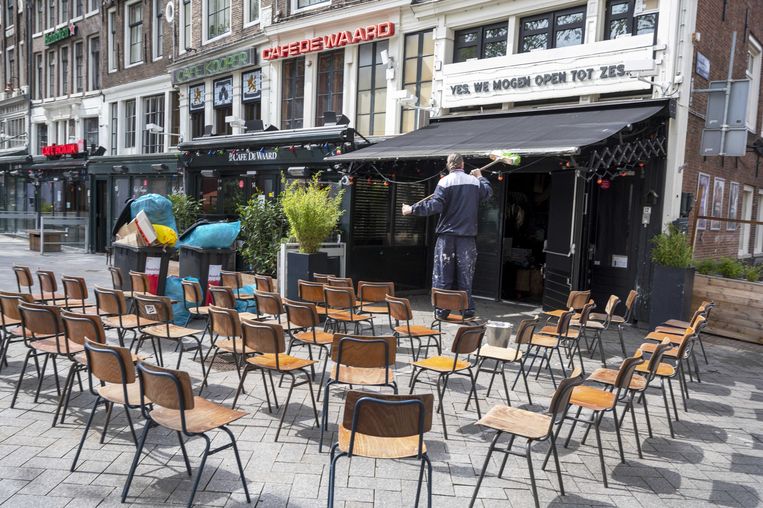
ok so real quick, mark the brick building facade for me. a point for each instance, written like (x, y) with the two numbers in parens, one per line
(14, 90)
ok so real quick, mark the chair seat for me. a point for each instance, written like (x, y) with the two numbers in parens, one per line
(74, 304)
(234, 346)
(659, 337)
(10, 321)
(416, 331)
(590, 325)
(591, 397)
(557, 313)
(285, 362)
(320, 337)
(442, 364)
(670, 330)
(342, 315)
(362, 376)
(676, 323)
(608, 377)
(55, 344)
(204, 416)
(503, 354)
(248, 316)
(596, 316)
(114, 393)
(663, 370)
(133, 294)
(243, 296)
(321, 309)
(544, 340)
(651, 347)
(169, 332)
(456, 318)
(551, 330)
(198, 311)
(81, 358)
(50, 297)
(520, 422)
(129, 321)
(380, 447)
(374, 309)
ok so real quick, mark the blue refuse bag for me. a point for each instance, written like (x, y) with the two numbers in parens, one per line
(158, 210)
(216, 235)
(174, 290)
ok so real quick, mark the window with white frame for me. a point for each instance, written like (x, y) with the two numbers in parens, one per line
(153, 112)
(79, 67)
(759, 229)
(51, 77)
(129, 123)
(63, 11)
(9, 9)
(39, 16)
(185, 24)
(112, 39)
(114, 126)
(42, 136)
(64, 57)
(90, 132)
(745, 229)
(10, 68)
(134, 32)
(754, 51)
(92, 5)
(252, 14)
(303, 4)
(158, 30)
(38, 76)
(51, 13)
(79, 8)
(14, 130)
(218, 18)
(94, 44)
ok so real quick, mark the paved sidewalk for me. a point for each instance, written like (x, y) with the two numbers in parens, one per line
(716, 458)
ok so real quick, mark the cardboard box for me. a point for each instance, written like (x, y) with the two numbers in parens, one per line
(139, 232)
(145, 228)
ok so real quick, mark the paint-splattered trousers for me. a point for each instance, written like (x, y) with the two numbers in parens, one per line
(455, 258)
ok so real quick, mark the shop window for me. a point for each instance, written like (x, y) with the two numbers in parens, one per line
(79, 68)
(630, 17)
(90, 128)
(753, 73)
(417, 75)
(130, 123)
(330, 83)
(292, 93)
(114, 126)
(232, 193)
(372, 89)
(42, 136)
(64, 55)
(94, 44)
(218, 18)
(481, 42)
(153, 112)
(759, 229)
(134, 44)
(158, 29)
(38, 73)
(556, 29)
(51, 77)
(209, 193)
(14, 129)
(185, 13)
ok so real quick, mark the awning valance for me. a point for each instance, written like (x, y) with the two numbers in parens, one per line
(328, 134)
(538, 133)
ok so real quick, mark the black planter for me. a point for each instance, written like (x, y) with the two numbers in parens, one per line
(301, 266)
(670, 294)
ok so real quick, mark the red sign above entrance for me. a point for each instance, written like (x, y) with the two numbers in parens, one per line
(331, 41)
(59, 150)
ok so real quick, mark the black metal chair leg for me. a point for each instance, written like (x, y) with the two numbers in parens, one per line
(558, 465)
(635, 427)
(622, 341)
(505, 384)
(185, 453)
(285, 406)
(109, 409)
(238, 461)
(84, 433)
(619, 436)
(601, 453)
(667, 408)
(484, 468)
(39, 381)
(442, 405)
(506, 456)
(332, 473)
(21, 377)
(200, 471)
(646, 414)
(532, 473)
(135, 460)
(130, 424)
(240, 387)
(474, 391)
(702, 347)
(67, 383)
(572, 427)
(673, 398)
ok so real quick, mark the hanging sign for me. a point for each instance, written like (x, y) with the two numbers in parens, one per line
(331, 41)
(54, 151)
(251, 85)
(62, 33)
(196, 97)
(223, 93)
(214, 66)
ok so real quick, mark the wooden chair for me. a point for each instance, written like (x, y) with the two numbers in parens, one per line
(235, 281)
(113, 310)
(382, 426)
(166, 400)
(322, 278)
(456, 303)
(78, 328)
(302, 321)
(157, 310)
(359, 360)
(193, 301)
(224, 297)
(267, 341)
(619, 321)
(23, 279)
(575, 301)
(10, 322)
(117, 281)
(76, 295)
(600, 401)
(677, 326)
(586, 326)
(226, 334)
(548, 343)
(531, 426)
(372, 296)
(468, 340)
(656, 369)
(265, 283)
(340, 282)
(269, 306)
(312, 292)
(506, 355)
(114, 369)
(604, 321)
(141, 286)
(341, 303)
(43, 334)
(400, 310)
(49, 288)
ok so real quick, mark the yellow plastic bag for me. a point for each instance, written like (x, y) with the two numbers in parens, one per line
(165, 235)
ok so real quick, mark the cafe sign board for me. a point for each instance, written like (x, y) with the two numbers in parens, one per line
(331, 41)
(55, 151)
(214, 66)
(595, 68)
(60, 34)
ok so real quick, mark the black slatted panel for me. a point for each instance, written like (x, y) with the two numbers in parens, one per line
(408, 230)
(370, 213)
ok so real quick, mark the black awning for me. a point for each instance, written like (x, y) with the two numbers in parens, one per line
(61, 165)
(538, 133)
(328, 134)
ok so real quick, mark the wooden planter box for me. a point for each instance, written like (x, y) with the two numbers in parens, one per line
(739, 307)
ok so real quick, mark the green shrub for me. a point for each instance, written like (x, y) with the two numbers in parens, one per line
(730, 268)
(672, 249)
(311, 211)
(263, 227)
(186, 210)
(706, 266)
(752, 272)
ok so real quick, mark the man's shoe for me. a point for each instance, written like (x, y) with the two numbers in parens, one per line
(442, 313)
(470, 313)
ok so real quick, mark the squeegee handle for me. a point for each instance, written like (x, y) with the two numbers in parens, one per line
(489, 164)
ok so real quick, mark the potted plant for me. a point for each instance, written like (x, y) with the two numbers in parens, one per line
(672, 277)
(263, 228)
(312, 213)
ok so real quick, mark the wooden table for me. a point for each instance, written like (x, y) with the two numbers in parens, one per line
(53, 240)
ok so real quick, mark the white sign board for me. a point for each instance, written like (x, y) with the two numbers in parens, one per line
(595, 68)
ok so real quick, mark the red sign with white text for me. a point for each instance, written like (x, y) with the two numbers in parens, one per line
(58, 150)
(331, 41)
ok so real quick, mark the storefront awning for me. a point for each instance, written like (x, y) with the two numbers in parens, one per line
(538, 133)
(61, 165)
(329, 134)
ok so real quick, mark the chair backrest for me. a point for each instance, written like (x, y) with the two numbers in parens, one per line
(612, 304)
(116, 278)
(585, 312)
(311, 291)
(399, 308)
(364, 351)
(80, 327)
(154, 308)
(450, 299)
(709, 306)
(525, 330)
(626, 371)
(563, 325)
(166, 387)
(630, 303)
(468, 339)
(41, 319)
(9, 304)
(657, 356)
(265, 338)
(139, 282)
(75, 288)
(391, 416)
(561, 397)
(23, 278)
(192, 293)
(110, 302)
(339, 297)
(264, 283)
(48, 282)
(688, 335)
(222, 296)
(301, 314)
(577, 299)
(322, 278)
(224, 322)
(231, 279)
(110, 364)
(340, 282)
(375, 291)
(268, 303)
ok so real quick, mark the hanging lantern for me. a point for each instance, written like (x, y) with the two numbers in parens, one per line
(604, 183)
(500, 177)
(338, 151)
(386, 183)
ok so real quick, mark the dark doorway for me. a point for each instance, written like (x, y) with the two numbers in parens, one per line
(101, 215)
